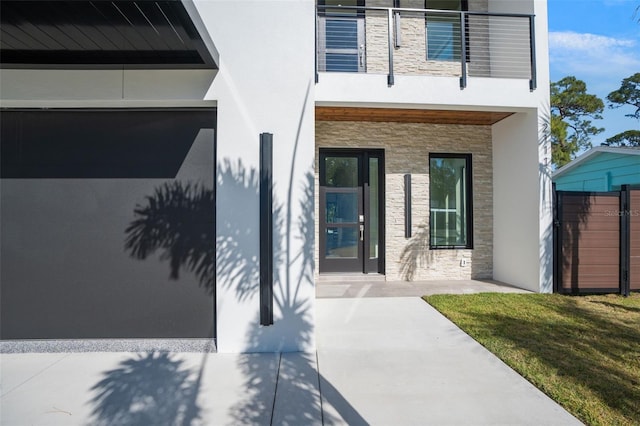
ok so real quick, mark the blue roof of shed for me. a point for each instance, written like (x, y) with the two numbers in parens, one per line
(593, 152)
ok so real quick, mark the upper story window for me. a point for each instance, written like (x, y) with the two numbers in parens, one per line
(443, 30)
(341, 36)
(450, 201)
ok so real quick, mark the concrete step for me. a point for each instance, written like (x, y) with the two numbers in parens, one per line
(349, 278)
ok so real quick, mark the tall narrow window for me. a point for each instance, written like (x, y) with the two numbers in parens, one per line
(341, 36)
(443, 30)
(451, 221)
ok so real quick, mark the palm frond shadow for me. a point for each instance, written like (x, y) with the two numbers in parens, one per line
(177, 221)
(297, 373)
(152, 388)
(415, 254)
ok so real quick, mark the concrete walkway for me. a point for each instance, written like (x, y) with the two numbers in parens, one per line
(360, 286)
(379, 361)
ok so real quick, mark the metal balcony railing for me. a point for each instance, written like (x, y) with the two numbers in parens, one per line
(404, 41)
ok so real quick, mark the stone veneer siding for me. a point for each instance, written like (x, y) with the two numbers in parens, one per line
(406, 150)
(411, 57)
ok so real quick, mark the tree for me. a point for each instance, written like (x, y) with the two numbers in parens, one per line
(572, 109)
(626, 138)
(627, 94)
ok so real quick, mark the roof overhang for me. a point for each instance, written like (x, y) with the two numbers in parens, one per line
(104, 34)
(400, 115)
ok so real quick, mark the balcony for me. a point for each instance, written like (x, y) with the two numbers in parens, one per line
(425, 42)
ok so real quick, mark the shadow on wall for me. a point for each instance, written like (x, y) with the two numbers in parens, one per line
(156, 388)
(237, 262)
(298, 378)
(416, 254)
(547, 199)
(291, 312)
(172, 222)
(131, 393)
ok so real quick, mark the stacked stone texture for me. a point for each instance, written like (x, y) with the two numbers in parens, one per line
(406, 149)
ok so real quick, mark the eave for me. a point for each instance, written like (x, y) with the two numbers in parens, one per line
(103, 34)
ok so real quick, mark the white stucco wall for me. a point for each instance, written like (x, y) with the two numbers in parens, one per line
(265, 84)
(518, 213)
(523, 251)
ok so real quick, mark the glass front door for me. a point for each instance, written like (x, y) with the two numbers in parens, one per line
(351, 211)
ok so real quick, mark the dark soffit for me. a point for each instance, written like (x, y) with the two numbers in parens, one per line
(100, 34)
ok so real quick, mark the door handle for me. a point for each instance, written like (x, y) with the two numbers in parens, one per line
(361, 55)
(361, 232)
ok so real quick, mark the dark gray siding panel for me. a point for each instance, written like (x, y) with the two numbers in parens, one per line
(107, 224)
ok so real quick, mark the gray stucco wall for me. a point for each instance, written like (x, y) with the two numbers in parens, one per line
(71, 184)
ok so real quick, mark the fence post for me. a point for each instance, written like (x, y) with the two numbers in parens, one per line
(625, 239)
(556, 240)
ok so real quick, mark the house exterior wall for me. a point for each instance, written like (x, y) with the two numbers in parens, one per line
(603, 172)
(522, 205)
(523, 202)
(265, 84)
(407, 147)
(254, 93)
(520, 147)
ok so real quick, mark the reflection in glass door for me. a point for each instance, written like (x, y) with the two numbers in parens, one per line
(351, 211)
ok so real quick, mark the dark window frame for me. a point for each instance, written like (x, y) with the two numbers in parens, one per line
(468, 201)
(325, 12)
(456, 53)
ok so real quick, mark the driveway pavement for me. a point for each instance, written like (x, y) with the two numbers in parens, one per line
(379, 361)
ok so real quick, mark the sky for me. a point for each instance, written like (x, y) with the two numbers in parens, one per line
(598, 42)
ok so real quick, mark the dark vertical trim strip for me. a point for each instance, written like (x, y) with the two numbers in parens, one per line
(463, 53)
(215, 220)
(556, 240)
(317, 45)
(407, 205)
(266, 229)
(533, 83)
(625, 240)
(390, 78)
(469, 200)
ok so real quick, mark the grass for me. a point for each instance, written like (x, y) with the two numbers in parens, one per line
(584, 352)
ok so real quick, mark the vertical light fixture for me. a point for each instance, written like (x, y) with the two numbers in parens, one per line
(266, 229)
(407, 205)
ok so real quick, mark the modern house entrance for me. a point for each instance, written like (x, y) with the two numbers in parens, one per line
(351, 210)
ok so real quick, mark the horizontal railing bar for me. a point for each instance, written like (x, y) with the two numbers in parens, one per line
(434, 11)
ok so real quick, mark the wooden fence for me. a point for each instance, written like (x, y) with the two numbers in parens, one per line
(597, 241)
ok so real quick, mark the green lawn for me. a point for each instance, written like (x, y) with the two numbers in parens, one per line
(584, 352)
